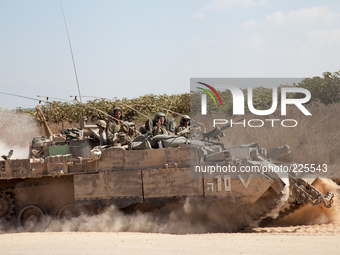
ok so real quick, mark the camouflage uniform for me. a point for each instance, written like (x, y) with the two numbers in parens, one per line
(114, 127)
(129, 137)
(182, 127)
(161, 130)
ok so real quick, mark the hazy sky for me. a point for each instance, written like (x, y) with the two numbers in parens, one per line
(130, 48)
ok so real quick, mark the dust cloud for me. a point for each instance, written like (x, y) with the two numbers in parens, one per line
(318, 214)
(189, 218)
(16, 131)
(200, 217)
(180, 219)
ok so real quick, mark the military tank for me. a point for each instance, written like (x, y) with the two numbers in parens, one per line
(69, 173)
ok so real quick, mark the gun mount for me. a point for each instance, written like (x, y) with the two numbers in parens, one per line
(217, 133)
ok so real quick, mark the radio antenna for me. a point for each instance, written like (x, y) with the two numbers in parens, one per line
(23, 97)
(74, 65)
(167, 111)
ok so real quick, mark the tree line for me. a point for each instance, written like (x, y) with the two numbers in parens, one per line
(324, 89)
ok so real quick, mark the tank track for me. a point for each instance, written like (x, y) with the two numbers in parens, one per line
(284, 212)
(7, 198)
(6, 205)
(287, 211)
(302, 193)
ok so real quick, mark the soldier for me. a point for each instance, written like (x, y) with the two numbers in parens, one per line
(101, 124)
(184, 127)
(159, 125)
(132, 133)
(114, 126)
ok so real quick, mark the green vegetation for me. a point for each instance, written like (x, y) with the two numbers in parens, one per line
(325, 90)
(57, 112)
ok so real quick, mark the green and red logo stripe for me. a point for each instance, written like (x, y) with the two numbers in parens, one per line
(208, 92)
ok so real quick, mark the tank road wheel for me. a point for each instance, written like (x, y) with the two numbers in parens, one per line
(6, 206)
(30, 215)
(68, 211)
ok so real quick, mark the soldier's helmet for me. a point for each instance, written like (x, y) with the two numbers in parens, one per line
(158, 115)
(184, 117)
(132, 125)
(142, 129)
(117, 109)
(101, 123)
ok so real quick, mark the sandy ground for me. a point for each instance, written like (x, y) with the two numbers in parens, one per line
(320, 239)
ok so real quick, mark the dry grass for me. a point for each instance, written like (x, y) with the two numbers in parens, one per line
(316, 138)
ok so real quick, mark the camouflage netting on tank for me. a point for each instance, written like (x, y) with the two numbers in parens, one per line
(57, 112)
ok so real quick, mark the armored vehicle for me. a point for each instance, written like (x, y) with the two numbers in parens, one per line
(69, 172)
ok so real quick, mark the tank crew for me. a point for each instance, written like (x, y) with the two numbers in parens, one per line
(184, 127)
(101, 124)
(159, 125)
(132, 133)
(115, 125)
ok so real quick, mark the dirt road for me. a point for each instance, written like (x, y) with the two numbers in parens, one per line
(320, 239)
